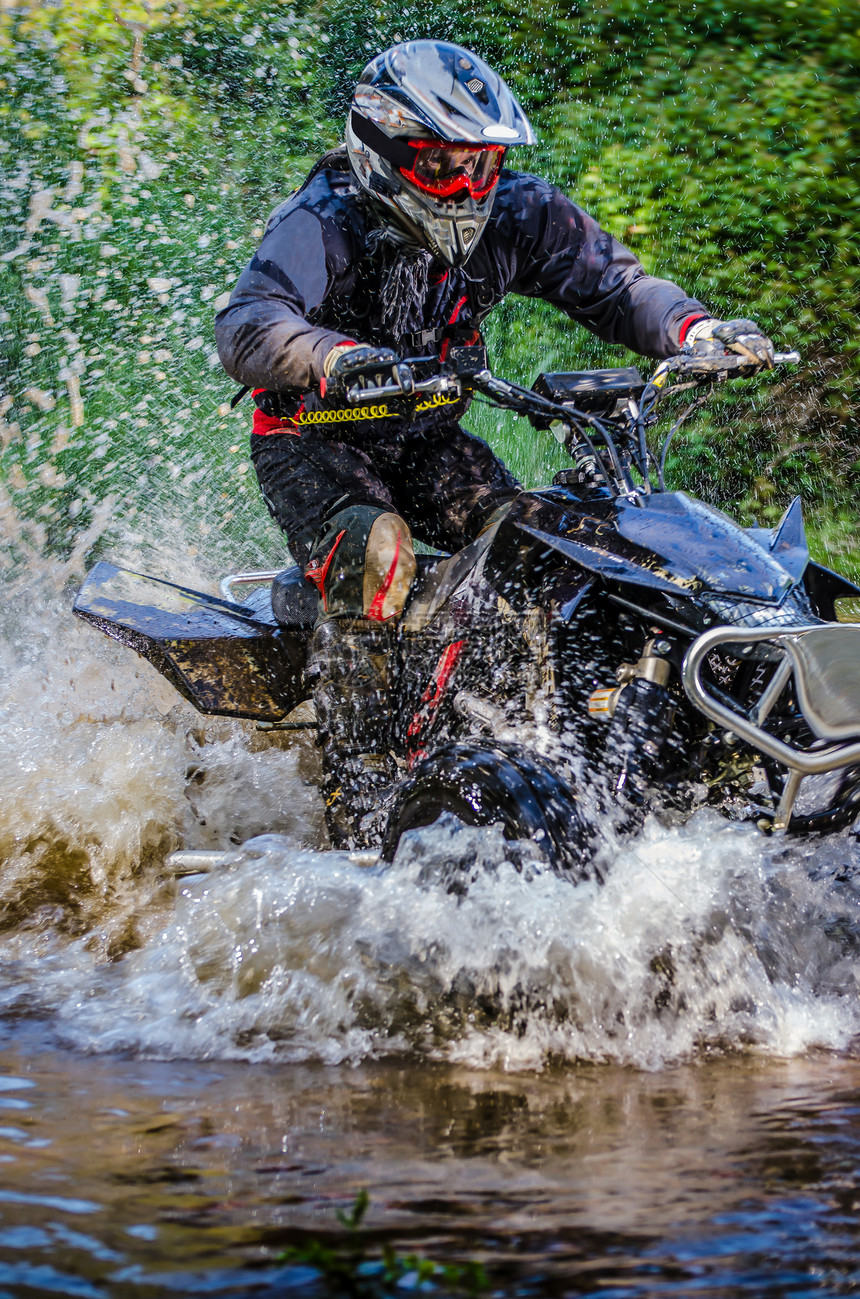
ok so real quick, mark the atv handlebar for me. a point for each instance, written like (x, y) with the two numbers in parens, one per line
(701, 369)
(438, 384)
(619, 434)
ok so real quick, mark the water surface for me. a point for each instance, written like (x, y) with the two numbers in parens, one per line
(123, 1177)
(648, 1087)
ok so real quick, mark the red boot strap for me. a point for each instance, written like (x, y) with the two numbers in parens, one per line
(317, 572)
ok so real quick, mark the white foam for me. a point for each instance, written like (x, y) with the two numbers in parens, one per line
(694, 944)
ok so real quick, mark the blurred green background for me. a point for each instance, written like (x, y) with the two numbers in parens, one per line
(142, 146)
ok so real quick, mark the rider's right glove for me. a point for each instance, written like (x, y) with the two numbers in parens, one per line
(711, 337)
(359, 365)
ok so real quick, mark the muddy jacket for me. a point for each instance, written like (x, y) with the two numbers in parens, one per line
(315, 281)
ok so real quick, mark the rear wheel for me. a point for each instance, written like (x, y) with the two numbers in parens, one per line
(483, 783)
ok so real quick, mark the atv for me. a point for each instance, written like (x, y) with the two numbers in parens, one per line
(605, 648)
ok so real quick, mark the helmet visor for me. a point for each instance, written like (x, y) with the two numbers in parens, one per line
(445, 169)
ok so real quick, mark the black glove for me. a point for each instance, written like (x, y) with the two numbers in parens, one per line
(363, 366)
(716, 337)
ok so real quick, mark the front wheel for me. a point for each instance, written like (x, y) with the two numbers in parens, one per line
(483, 783)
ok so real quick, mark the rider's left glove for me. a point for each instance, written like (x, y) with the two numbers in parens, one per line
(711, 337)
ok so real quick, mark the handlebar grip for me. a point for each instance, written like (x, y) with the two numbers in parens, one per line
(358, 394)
(704, 367)
(436, 384)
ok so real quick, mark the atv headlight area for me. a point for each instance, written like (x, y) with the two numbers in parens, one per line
(822, 664)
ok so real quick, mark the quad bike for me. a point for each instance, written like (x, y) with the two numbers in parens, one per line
(606, 647)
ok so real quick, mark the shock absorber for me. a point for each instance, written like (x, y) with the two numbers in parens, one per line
(641, 713)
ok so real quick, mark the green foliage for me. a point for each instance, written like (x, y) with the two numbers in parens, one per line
(137, 179)
(143, 144)
(351, 1267)
(720, 141)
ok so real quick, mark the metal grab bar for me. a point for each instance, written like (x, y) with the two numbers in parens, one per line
(800, 763)
(806, 763)
(238, 579)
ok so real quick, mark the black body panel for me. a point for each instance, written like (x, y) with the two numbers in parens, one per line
(218, 656)
(667, 541)
(596, 391)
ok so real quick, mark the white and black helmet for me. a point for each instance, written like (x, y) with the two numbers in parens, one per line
(426, 135)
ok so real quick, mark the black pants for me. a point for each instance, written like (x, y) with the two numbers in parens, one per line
(442, 480)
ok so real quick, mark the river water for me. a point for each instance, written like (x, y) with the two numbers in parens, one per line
(649, 1087)
(722, 1177)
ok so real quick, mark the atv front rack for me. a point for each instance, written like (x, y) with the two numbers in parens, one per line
(823, 661)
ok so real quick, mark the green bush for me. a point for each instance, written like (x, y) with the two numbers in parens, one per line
(718, 140)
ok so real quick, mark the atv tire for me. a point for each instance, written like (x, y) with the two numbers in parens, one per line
(481, 783)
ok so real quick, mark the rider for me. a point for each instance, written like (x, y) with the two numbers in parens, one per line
(399, 243)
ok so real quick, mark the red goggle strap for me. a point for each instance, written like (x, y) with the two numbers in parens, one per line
(397, 152)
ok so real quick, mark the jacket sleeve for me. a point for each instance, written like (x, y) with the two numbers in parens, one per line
(264, 336)
(570, 261)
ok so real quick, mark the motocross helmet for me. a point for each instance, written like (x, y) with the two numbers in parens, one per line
(426, 136)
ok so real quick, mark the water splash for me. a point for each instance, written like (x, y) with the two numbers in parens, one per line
(706, 936)
(700, 941)
(104, 770)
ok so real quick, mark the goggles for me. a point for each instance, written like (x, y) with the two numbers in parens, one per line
(445, 169)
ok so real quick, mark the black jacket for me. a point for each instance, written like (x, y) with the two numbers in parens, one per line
(315, 281)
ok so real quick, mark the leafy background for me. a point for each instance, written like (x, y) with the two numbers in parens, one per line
(142, 146)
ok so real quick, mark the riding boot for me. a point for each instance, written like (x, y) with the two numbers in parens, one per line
(349, 672)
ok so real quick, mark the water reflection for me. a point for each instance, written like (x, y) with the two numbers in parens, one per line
(732, 1176)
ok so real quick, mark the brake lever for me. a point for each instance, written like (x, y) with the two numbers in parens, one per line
(404, 378)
